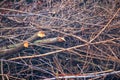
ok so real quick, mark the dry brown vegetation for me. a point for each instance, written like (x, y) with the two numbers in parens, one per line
(81, 41)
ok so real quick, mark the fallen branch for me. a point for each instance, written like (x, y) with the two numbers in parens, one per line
(18, 46)
(51, 40)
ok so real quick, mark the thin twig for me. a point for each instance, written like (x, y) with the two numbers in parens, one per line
(86, 75)
(57, 51)
(105, 26)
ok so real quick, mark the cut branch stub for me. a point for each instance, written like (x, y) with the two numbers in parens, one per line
(26, 44)
(41, 34)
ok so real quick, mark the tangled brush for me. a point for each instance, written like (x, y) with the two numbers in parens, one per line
(59, 39)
